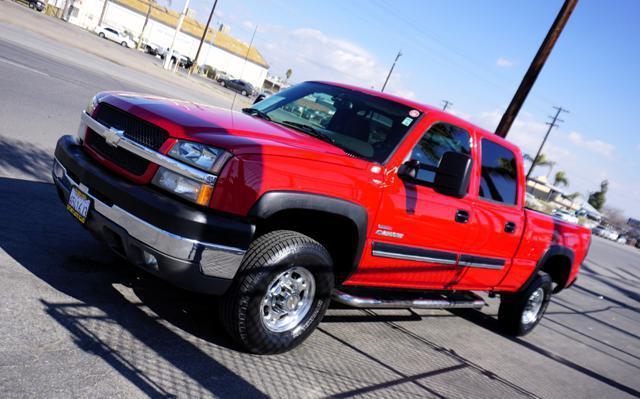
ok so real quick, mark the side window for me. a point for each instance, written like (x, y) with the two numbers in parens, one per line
(440, 138)
(498, 180)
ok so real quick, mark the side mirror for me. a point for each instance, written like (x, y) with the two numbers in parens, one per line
(259, 98)
(451, 177)
(453, 174)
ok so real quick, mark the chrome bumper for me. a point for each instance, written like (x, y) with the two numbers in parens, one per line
(214, 260)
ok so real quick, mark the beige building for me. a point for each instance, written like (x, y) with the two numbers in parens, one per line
(220, 50)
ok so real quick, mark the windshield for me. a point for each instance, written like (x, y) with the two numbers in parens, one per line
(361, 124)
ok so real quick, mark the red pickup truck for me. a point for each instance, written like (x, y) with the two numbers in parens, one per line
(322, 191)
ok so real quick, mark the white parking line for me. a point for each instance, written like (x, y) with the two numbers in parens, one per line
(15, 64)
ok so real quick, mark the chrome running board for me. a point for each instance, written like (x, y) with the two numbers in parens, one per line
(471, 300)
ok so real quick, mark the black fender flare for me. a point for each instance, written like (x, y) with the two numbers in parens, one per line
(553, 250)
(273, 202)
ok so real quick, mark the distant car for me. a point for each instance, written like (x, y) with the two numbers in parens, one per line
(182, 60)
(37, 5)
(112, 34)
(566, 216)
(242, 87)
(621, 240)
(152, 48)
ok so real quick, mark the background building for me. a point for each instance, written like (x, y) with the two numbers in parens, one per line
(220, 50)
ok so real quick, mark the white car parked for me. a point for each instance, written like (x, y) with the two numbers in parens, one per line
(106, 32)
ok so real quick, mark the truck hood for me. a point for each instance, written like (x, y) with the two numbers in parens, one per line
(239, 133)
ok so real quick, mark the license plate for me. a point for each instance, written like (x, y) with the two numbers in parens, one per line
(78, 204)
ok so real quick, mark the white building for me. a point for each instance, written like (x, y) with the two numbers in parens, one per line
(220, 50)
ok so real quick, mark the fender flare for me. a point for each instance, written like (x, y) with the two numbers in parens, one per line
(273, 202)
(553, 250)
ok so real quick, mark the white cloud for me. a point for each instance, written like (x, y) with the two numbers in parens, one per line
(315, 55)
(504, 62)
(595, 145)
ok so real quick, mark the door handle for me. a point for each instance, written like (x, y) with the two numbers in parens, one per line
(462, 216)
(509, 227)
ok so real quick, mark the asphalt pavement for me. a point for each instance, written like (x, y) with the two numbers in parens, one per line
(76, 321)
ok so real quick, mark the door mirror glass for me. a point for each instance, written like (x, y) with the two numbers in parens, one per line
(453, 174)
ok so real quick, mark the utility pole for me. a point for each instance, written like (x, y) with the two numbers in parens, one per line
(446, 104)
(167, 57)
(551, 124)
(390, 71)
(204, 34)
(144, 26)
(536, 66)
(104, 10)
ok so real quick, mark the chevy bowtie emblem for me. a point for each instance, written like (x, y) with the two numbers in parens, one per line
(113, 136)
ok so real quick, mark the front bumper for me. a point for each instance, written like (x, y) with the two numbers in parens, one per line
(192, 248)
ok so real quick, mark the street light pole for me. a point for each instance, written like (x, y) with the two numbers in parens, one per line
(390, 71)
(167, 57)
(204, 34)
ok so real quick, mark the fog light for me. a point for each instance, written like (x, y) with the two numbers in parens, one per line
(183, 186)
(58, 170)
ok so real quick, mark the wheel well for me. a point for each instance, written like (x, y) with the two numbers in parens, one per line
(338, 234)
(558, 267)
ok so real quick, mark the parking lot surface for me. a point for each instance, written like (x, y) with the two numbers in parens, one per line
(77, 321)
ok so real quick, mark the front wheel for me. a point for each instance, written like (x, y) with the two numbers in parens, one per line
(223, 84)
(280, 293)
(519, 313)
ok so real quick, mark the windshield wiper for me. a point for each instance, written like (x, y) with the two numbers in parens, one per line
(310, 130)
(256, 112)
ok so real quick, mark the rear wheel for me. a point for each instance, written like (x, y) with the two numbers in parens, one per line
(280, 293)
(520, 312)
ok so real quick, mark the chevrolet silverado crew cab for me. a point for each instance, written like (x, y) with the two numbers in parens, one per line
(322, 191)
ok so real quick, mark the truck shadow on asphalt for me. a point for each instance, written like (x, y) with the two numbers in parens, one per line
(163, 339)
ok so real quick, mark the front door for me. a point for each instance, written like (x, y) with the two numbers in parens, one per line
(419, 232)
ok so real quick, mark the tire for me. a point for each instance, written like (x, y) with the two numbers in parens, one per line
(32, 6)
(124, 44)
(244, 92)
(252, 316)
(101, 35)
(511, 315)
(223, 84)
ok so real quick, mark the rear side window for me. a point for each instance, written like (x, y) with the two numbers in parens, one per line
(440, 138)
(498, 180)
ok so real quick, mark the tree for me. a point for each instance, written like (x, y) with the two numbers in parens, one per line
(541, 160)
(615, 217)
(288, 74)
(597, 198)
(560, 179)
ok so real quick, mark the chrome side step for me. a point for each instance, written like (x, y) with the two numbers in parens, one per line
(472, 301)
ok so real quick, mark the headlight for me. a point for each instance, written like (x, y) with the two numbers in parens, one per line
(201, 156)
(92, 105)
(183, 186)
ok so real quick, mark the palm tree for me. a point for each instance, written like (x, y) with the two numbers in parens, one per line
(560, 179)
(541, 160)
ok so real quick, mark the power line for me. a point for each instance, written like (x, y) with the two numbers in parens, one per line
(446, 104)
(551, 124)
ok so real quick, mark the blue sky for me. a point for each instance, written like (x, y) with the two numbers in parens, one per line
(474, 54)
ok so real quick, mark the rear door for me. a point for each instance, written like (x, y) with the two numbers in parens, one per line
(497, 223)
(419, 232)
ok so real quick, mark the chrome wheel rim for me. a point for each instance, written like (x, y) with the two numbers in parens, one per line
(288, 299)
(533, 306)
